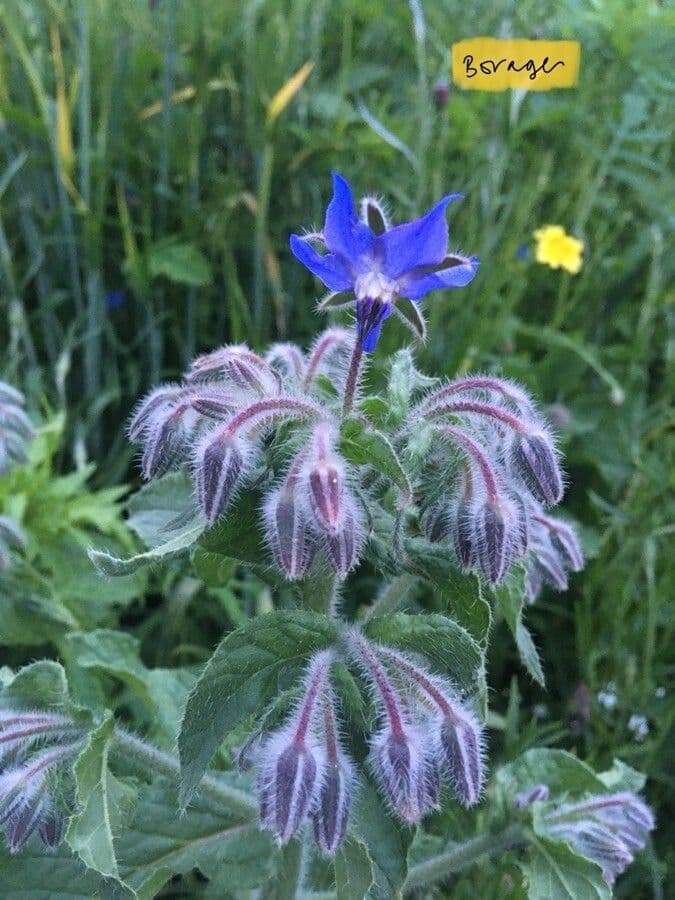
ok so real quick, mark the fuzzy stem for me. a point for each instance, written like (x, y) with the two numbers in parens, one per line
(392, 598)
(386, 690)
(288, 406)
(352, 377)
(478, 382)
(328, 340)
(479, 408)
(464, 855)
(425, 683)
(153, 761)
(475, 452)
(316, 680)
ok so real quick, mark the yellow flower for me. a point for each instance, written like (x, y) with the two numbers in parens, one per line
(557, 249)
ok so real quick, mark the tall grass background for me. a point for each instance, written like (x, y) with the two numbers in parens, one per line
(151, 173)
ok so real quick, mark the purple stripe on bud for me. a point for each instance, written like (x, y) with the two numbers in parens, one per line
(324, 474)
(220, 462)
(158, 400)
(550, 566)
(462, 533)
(287, 531)
(332, 808)
(437, 522)
(533, 458)
(292, 763)
(400, 765)
(460, 744)
(344, 547)
(51, 829)
(565, 541)
(24, 822)
(242, 366)
(494, 528)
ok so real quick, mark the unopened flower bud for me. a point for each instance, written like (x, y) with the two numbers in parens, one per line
(441, 94)
(165, 438)
(462, 532)
(292, 762)
(550, 566)
(537, 792)
(332, 806)
(242, 366)
(534, 459)
(325, 477)
(462, 754)
(521, 531)
(158, 400)
(343, 548)
(566, 542)
(400, 765)
(494, 529)
(287, 531)
(220, 462)
(437, 522)
(51, 829)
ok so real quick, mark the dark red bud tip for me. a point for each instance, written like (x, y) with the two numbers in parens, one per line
(326, 485)
(534, 459)
(219, 465)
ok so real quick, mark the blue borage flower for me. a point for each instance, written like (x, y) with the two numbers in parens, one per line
(408, 261)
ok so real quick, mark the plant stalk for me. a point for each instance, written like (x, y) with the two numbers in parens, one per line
(352, 377)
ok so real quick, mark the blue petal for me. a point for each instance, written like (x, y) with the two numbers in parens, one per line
(422, 242)
(372, 336)
(329, 268)
(343, 232)
(417, 286)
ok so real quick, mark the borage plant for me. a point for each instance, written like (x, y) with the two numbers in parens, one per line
(348, 724)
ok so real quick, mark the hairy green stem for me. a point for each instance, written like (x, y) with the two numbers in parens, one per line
(464, 855)
(392, 597)
(154, 761)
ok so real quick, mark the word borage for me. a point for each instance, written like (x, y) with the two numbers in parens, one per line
(490, 64)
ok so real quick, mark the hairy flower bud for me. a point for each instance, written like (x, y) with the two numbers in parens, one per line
(564, 539)
(157, 401)
(462, 754)
(165, 434)
(220, 463)
(533, 458)
(604, 828)
(550, 566)
(462, 532)
(332, 808)
(400, 764)
(241, 366)
(324, 475)
(494, 529)
(437, 522)
(537, 792)
(51, 829)
(287, 530)
(344, 547)
(292, 762)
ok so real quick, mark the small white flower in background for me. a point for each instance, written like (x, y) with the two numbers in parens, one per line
(639, 726)
(540, 711)
(660, 693)
(607, 698)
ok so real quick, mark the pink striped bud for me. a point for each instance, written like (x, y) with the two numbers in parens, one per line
(51, 829)
(400, 763)
(437, 522)
(220, 463)
(158, 400)
(288, 358)
(537, 793)
(292, 762)
(324, 474)
(462, 533)
(165, 434)
(565, 541)
(241, 366)
(550, 566)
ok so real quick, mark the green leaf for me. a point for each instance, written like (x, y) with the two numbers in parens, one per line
(117, 654)
(103, 804)
(36, 875)
(214, 569)
(622, 778)
(553, 872)
(404, 380)
(234, 853)
(353, 870)
(182, 263)
(248, 669)
(113, 566)
(459, 594)
(386, 841)
(510, 599)
(40, 685)
(363, 445)
(158, 508)
(559, 770)
(449, 649)
(237, 535)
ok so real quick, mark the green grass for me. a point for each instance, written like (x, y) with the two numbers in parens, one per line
(186, 206)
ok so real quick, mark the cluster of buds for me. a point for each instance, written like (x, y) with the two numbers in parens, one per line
(608, 829)
(217, 422)
(505, 473)
(34, 748)
(16, 428)
(425, 735)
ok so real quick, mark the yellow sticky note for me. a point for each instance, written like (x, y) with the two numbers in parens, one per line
(491, 64)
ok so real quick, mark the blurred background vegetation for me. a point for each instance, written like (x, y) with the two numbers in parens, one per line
(151, 174)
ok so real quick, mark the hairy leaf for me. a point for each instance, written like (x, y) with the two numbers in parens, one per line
(553, 872)
(510, 598)
(353, 870)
